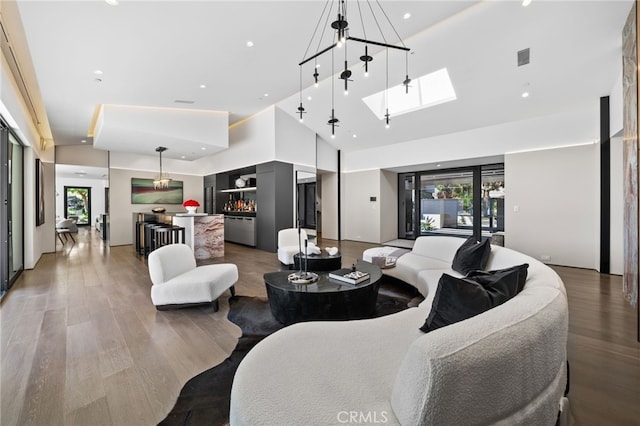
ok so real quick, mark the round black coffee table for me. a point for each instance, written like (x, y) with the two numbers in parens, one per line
(326, 299)
(318, 262)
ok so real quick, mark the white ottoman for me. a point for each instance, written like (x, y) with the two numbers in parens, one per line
(383, 257)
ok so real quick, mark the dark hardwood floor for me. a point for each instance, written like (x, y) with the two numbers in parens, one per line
(82, 344)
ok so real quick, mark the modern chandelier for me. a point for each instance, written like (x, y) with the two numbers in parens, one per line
(340, 38)
(161, 181)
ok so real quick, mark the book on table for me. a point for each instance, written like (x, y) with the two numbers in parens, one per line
(349, 276)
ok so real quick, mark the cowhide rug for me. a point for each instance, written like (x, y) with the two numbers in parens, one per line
(204, 400)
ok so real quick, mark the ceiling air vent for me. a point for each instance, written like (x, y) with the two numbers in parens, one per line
(183, 101)
(523, 57)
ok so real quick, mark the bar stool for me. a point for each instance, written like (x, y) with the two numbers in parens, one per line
(149, 236)
(140, 236)
(168, 235)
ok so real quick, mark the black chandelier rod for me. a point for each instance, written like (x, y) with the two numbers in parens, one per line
(361, 40)
(377, 43)
(318, 54)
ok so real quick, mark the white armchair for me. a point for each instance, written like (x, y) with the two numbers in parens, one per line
(178, 282)
(288, 244)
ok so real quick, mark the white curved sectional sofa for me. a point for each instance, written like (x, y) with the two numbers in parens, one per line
(504, 366)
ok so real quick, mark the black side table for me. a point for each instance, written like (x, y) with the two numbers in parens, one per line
(318, 262)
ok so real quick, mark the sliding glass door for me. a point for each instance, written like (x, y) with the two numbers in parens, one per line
(446, 203)
(77, 204)
(463, 202)
(407, 206)
(11, 208)
(493, 198)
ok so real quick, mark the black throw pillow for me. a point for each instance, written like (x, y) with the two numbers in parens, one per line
(488, 278)
(471, 256)
(457, 299)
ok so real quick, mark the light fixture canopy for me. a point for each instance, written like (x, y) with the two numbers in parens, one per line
(341, 37)
(162, 180)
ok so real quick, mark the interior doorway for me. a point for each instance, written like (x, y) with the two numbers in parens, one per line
(77, 204)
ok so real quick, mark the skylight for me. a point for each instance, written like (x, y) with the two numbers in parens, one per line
(424, 92)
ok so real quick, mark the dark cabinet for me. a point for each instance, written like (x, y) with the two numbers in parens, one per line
(275, 202)
(272, 196)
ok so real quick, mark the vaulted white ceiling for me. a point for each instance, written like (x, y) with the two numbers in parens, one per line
(159, 53)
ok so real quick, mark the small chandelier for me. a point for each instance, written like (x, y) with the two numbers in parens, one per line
(161, 181)
(341, 36)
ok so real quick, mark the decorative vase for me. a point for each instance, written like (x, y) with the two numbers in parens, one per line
(191, 210)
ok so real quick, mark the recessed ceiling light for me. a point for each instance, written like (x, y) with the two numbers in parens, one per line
(98, 72)
(249, 43)
(266, 95)
(406, 16)
(203, 86)
(183, 157)
(112, 2)
(308, 98)
(525, 94)
(526, 3)
(203, 148)
(355, 136)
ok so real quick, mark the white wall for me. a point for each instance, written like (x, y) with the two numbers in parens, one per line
(294, 142)
(616, 104)
(44, 240)
(552, 204)
(251, 142)
(121, 210)
(616, 265)
(97, 195)
(326, 156)
(360, 216)
(569, 128)
(81, 155)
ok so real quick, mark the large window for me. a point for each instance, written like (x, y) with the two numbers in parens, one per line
(464, 202)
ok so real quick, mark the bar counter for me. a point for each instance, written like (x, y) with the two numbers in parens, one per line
(204, 233)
